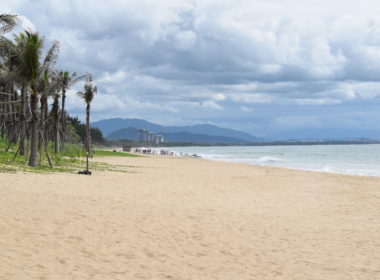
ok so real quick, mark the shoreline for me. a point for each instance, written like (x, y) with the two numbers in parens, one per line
(317, 160)
(296, 169)
(196, 156)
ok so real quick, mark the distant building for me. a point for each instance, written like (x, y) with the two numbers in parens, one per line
(159, 139)
(127, 148)
(148, 137)
(143, 135)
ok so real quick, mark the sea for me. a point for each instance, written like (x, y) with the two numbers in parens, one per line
(346, 159)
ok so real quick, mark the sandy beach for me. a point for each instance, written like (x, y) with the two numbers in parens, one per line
(183, 218)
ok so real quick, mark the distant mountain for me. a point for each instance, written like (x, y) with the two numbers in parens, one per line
(213, 130)
(132, 133)
(325, 134)
(200, 138)
(109, 126)
(129, 133)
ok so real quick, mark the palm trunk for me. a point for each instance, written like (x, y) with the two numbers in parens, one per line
(43, 126)
(23, 121)
(88, 136)
(55, 114)
(13, 97)
(14, 115)
(8, 117)
(33, 159)
(63, 118)
(46, 118)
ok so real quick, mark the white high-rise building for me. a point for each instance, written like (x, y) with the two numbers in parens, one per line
(146, 136)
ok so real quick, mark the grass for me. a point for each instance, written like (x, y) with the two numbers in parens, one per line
(71, 160)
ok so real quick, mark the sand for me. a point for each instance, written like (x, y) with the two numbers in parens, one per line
(182, 218)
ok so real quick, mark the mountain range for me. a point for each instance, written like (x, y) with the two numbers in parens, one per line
(118, 129)
(132, 133)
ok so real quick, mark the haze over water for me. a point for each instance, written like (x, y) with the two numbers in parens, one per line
(346, 159)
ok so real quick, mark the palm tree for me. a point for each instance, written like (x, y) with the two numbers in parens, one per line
(67, 80)
(49, 85)
(52, 85)
(32, 69)
(7, 22)
(7, 79)
(88, 95)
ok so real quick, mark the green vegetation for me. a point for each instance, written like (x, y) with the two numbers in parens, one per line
(29, 84)
(71, 160)
(80, 130)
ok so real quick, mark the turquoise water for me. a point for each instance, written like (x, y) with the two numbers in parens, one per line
(347, 159)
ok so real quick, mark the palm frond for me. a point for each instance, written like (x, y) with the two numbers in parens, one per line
(7, 47)
(81, 94)
(77, 79)
(51, 56)
(30, 66)
(7, 22)
(90, 90)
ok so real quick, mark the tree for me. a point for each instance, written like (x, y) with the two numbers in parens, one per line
(80, 130)
(67, 80)
(7, 23)
(88, 95)
(32, 69)
(49, 86)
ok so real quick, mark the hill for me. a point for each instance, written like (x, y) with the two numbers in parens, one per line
(112, 128)
(132, 133)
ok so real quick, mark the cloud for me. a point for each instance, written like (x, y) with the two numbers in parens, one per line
(251, 98)
(246, 109)
(317, 101)
(211, 105)
(197, 60)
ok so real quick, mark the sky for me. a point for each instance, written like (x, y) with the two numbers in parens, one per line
(262, 66)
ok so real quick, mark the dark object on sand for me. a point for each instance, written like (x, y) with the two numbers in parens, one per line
(85, 172)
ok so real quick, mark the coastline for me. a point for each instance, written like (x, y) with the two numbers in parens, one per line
(189, 218)
(360, 160)
(296, 169)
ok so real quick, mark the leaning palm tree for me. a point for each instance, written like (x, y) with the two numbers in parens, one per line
(7, 22)
(88, 95)
(32, 70)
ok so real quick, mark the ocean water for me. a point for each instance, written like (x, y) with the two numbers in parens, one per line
(346, 159)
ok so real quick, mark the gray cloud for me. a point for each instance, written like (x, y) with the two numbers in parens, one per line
(277, 64)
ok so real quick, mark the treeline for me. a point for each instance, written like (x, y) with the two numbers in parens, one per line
(33, 96)
(80, 132)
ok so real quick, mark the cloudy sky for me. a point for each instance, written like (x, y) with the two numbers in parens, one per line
(259, 65)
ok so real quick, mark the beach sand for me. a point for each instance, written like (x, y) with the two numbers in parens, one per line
(183, 218)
